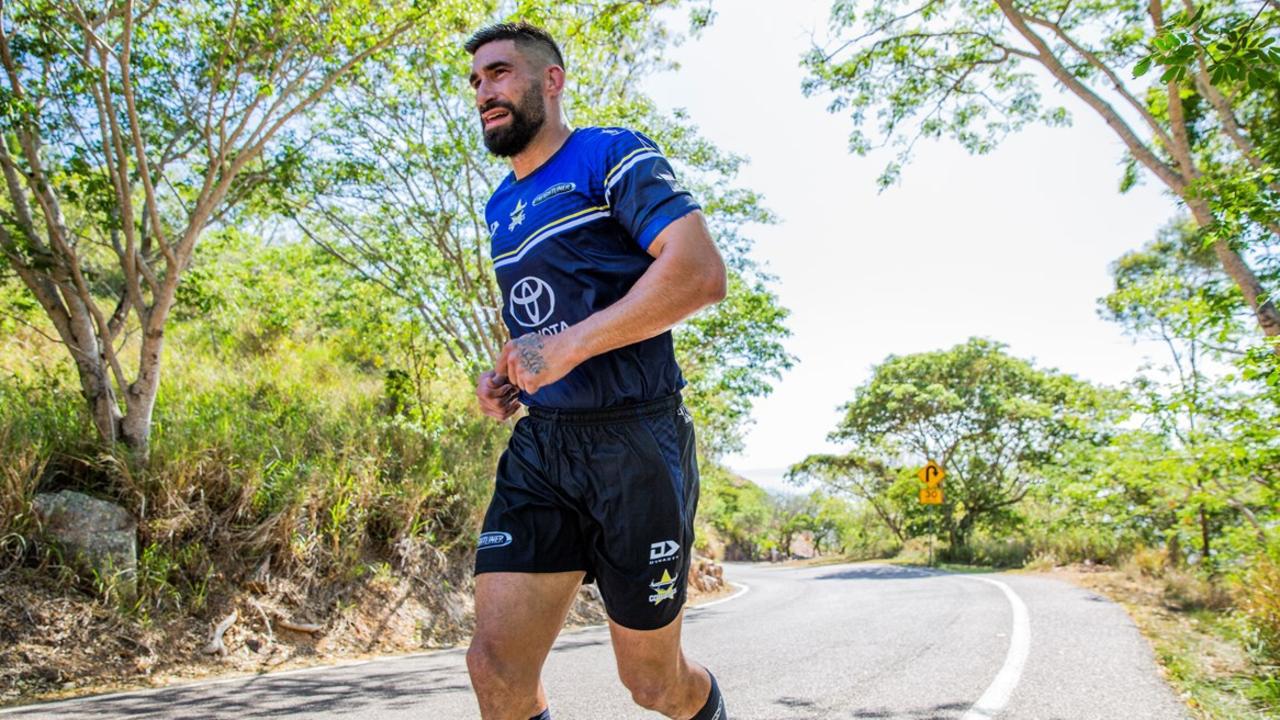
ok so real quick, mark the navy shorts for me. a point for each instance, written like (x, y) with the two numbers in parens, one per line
(611, 492)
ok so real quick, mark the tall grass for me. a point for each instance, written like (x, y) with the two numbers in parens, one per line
(287, 450)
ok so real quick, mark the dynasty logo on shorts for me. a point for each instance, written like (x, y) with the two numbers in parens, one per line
(491, 540)
(664, 588)
(663, 551)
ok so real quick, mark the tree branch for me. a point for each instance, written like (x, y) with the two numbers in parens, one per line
(1053, 64)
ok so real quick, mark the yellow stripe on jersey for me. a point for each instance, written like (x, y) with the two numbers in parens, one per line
(551, 225)
(628, 156)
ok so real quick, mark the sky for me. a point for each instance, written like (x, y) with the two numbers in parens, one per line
(1013, 245)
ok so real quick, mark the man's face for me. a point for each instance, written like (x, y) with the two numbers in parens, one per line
(508, 97)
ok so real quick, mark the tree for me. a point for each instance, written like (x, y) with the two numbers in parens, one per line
(1203, 417)
(129, 130)
(1206, 128)
(992, 421)
(862, 477)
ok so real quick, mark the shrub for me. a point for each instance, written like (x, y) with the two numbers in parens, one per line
(1259, 601)
(1147, 562)
(1190, 590)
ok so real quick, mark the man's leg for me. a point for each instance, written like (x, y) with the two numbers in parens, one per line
(654, 668)
(518, 616)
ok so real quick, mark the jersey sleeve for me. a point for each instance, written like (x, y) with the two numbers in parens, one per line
(641, 187)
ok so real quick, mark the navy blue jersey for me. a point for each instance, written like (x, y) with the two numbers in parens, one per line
(570, 239)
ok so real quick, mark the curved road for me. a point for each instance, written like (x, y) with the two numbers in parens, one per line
(843, 641)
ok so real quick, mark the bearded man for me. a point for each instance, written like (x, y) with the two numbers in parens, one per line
(599, 252)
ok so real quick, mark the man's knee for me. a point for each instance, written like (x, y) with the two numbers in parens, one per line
(650, 691)
(488, 670)
(504, 688)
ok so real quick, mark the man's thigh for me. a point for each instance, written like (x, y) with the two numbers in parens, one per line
(518, 616)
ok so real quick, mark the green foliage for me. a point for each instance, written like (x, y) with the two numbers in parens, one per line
(930, 70)
(736, 509)
(1196, 474)
(995, 423)
(126, 132)
(1237, 46)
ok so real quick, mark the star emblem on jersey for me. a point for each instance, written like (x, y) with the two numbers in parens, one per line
(532, 301)
(517, 215)
(663, 588)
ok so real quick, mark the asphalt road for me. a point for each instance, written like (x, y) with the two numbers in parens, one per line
(845, 641)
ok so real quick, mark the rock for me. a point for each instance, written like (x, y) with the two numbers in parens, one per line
(96, 536)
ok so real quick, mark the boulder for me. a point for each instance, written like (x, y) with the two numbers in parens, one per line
(97, 537)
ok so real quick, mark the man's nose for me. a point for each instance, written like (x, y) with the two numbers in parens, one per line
(484, 93)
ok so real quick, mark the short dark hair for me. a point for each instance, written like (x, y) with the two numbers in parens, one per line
(525, 35)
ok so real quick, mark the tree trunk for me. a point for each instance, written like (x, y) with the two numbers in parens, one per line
(96, 386)
(1204, 535)
(1238, 270)
(95, 379)
(141, 395)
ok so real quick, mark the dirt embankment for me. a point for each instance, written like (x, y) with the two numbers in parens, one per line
(57, 642)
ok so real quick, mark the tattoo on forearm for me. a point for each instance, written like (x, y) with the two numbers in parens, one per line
(530, 349)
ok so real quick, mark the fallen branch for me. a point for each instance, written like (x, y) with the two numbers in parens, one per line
(297, 626)
(271, 637)
(215, 639)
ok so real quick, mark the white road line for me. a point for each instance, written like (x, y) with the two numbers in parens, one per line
(743, 589)
(997, 695)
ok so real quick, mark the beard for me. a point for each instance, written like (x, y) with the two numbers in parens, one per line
(526, 120)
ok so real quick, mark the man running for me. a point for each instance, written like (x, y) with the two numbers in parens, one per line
(598, 252)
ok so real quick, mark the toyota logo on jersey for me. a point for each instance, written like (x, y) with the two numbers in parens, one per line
(532, 302)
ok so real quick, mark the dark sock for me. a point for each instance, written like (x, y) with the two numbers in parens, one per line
(714, 709)
(544, 715)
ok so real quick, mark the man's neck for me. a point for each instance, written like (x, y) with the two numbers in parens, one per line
(540, 148)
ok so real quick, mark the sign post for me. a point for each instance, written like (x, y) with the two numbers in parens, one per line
(931, 476)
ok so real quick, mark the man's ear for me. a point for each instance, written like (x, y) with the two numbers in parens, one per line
(553, 80)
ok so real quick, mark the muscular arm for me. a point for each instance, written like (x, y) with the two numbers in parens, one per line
(687, 274)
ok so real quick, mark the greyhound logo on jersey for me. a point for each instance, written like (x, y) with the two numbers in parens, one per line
(662, 551)
(554, 190)
(664, 588)
(517, 215)
(532, 301)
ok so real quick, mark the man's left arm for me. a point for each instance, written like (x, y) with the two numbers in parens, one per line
(687, 274)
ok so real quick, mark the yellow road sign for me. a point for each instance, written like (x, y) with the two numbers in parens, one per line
(931, 475)
(931, 496)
